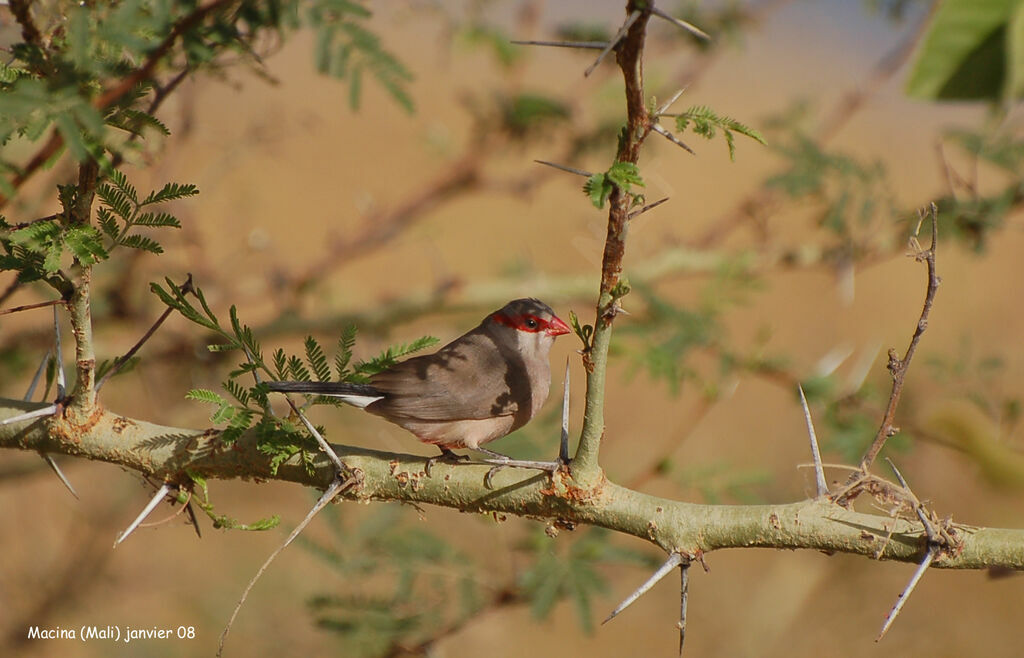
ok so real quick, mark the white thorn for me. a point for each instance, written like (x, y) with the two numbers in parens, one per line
(35, 379)
(336, 487)
(664, 108)
(326, 447)
(160, 493)
(921, 568)
(48, 410)
(670, 137)
(563, 444)
(819, 471)
(614, 42)
(590, 45)
(571, 170)
(61, 383)
(674, 560)
(678, 22)
(60, 474)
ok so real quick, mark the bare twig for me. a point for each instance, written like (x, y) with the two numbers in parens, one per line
(122, 360)
(674, 560)
(619, 36)
(819, 473)
(898, 367)
(29, 307)
(335, 488)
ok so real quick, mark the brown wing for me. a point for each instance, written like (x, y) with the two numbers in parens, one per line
(469, 378)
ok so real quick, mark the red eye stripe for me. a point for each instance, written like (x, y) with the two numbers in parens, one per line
(522, 322)
(532, 324)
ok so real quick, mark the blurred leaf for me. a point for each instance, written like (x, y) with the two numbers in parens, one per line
(966, 54)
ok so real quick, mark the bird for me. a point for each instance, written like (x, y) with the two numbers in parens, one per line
(480, 387)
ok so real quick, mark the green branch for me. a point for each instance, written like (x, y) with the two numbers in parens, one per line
(176, 455)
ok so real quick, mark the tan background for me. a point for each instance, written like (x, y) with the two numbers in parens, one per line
(283, 167)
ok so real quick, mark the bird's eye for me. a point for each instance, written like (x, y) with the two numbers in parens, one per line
(531, 323)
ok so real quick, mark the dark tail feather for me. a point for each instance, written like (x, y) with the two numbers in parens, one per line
(324, 388)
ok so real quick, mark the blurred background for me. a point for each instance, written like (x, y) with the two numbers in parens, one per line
(786, 265)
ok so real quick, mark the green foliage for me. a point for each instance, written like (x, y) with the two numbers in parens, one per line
(121, 211)
(345, 49)
(561, 571)
(667, 334)
(249, 406)
(855, 203)
(584, 332)
(621, 175)
(494, 39)
(220, 521)
(402, 582)
(972, 51)
(390, 356)
(706, 123)
(524, 114)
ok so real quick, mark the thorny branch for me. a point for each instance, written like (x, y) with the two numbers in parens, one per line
(897, 366)
(629, 55)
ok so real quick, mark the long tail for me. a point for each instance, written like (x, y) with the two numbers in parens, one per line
(358, 395)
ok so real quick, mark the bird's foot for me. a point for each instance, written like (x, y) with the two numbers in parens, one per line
(445, 456)
(501, 461)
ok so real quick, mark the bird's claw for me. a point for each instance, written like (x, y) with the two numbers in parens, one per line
(445, 456)
(500, 462)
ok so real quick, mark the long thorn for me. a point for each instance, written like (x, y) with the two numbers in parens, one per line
(571, 170)
(918, 508)
(336, 487)
(48, 410)
(649, 206)
(667, 104)
(590, 45)
(47, 458)
(61, 383)
(326, 447)
(678, 22)
(684, 591)
(672, 138)
(921, 568)
(819, 472)
(160, 493)
(632, 18)
(674, 560)
(563, 441)
(60, 474)
(35, 378)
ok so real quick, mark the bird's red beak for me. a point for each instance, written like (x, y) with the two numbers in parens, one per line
(556, 327)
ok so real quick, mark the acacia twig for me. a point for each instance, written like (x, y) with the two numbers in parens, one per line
(120, 361)
(897, 366)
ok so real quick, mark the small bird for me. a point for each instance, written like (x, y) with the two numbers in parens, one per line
(477, 388)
